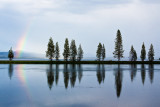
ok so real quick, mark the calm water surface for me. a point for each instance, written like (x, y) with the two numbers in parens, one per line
(79, 85)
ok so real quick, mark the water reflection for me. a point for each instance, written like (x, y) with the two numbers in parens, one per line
(143, 73)
(73, 75)
(118, 80)
(151, 72)
(57, 73)
(133, 71)
(50, 76)
(100, 73)
(73, 72)
(10, 71)
(66, 76)
(80, 72)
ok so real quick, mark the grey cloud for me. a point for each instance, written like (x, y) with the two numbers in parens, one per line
(151, 1)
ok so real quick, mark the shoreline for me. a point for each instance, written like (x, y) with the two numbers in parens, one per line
(79, 62)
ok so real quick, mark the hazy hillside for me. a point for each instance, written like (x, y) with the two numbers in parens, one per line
(24, 55)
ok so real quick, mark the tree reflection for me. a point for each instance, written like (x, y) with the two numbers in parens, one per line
(151, 72)
(10, 71)
(80, 72)
(57, 73)
(66, 75)
(100, 73)
(143, 73)
(118, 80)
(73, 75)
(133, 71)
(50, 76)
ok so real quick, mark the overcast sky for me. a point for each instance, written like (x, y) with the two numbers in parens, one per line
(87, 21)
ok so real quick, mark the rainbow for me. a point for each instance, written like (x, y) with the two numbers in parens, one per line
(20, 46)
(21, 74)
(22, 41)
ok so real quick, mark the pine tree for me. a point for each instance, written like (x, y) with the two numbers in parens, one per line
(99, 52)
(73, 51)
(103, 52)
(50, 50)
(143, 52)
(118, 53)
(80, 53)
(151, 53)
(133, 54)
(10, 54)
(66, 50)
(57, 53)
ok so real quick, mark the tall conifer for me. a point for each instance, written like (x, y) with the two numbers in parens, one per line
(73, 51)
(143, 52)
(151, 53)
(103, 52)
(80, 53)
(57, 53)
(118, 53)
(66, 50)
(50, 50)
(99, 52)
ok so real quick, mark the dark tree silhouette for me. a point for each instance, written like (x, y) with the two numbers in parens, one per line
(99, 76)
(10, 54)
(151, 53)
(133, 54)
(66, 75)
(143, 73)
(151, 72)
(57, 74)
(50, 50)
(10, 71)
(118, 53)
(143, 52)
(100, 73)
(80, 72)
(118, 81)
(57, 53)
(50, 76)
(103, 72)
(80, 53)
(66, 50)
(99, 52)
(103, 52)
(133, 71)
(73, 75)
(73, 51)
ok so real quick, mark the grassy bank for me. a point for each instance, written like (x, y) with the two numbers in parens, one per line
(79, 62)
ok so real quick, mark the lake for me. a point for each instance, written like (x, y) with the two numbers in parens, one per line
(79, 85)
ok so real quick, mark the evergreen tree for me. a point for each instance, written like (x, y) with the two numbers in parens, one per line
(50, 50)
(151, 53)
(66, 50)
(10, 54)
(133, 54)
(143, 52)
(80, 53)
(57, 53)
(118, 53)
(103, 52)
(99, 52)
(73, 51)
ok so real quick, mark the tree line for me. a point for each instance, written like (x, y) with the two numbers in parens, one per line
(73, 54)
(70, 52)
